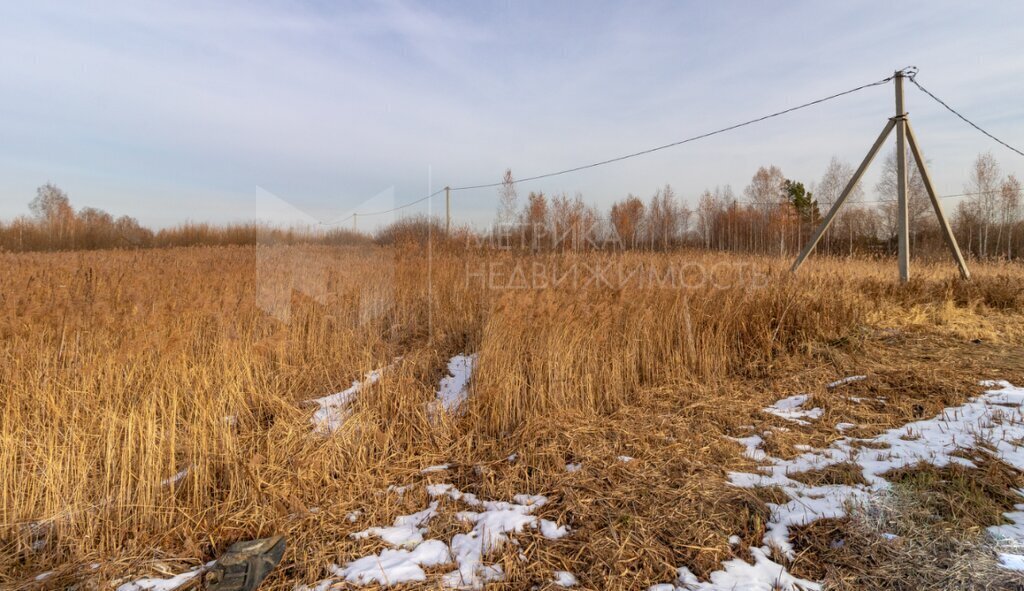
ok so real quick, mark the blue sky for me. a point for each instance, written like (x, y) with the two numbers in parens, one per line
(292, 111)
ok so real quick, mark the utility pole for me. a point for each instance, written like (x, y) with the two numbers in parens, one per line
(354, 227)
(447, 209)
(904, 133)
(902, 209)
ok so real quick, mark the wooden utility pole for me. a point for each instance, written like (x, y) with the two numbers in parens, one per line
(447, 209)
(904, 133)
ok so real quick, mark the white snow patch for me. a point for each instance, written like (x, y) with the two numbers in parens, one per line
(334, 409)
(492, 522)
(573, 467)
(406, 532)
(177, 477)
(394, 567)
(437, 468)
(844, 381)
(995, 418)
(564, 578)
(738, 575)
(845, 426)
(1011, 561)
(454, 388)
(791, 409)
(626, 459)
(168, 584)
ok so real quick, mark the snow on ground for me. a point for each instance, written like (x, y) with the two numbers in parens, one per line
(177, 477)
(792, 409)
(564, 578)
(1011, 561)
(454, 388)
(994, 418)
(334, 408)
(844, 381)
(492, 523)
(168, 584)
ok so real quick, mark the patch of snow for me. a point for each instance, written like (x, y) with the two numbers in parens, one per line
(996, 418)
(625, 459)
(553, 531)
(791, 409)
(492, 522)
(406, 532)
(738, 575)
(1011, 561)
(844, 381)
(454, 388)
(751, 446)
(437, 468)
(334, 409)
(177, 477)
(573, 467)
(845, 426)
(395, 567)
(168, 584)
(564, 578)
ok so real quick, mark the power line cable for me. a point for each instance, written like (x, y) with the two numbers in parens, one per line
(913, 79)
(909, 72)
(680, 142)
(392, 210)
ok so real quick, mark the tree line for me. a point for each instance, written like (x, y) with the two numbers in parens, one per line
(55, 225)
(775, 215)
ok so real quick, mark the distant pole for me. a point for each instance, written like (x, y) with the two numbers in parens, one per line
(354, 227)
(447, 209)
(902, 211)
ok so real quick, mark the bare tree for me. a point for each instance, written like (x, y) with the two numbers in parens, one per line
(1009, 207)
(508, 204)
(535, 218)
(765, 193)
(708, 211)
(918, 203)
(627, 218)
(663, 218)
(985, 185)
(836, 176)
(52, 208)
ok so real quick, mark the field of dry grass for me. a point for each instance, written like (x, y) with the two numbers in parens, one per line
(156, 404)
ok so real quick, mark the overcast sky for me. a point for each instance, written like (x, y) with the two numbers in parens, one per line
(213, 111)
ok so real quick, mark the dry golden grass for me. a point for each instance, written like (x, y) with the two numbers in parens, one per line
(121, 369)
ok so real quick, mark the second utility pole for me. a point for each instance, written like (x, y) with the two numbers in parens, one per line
(447, 209)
